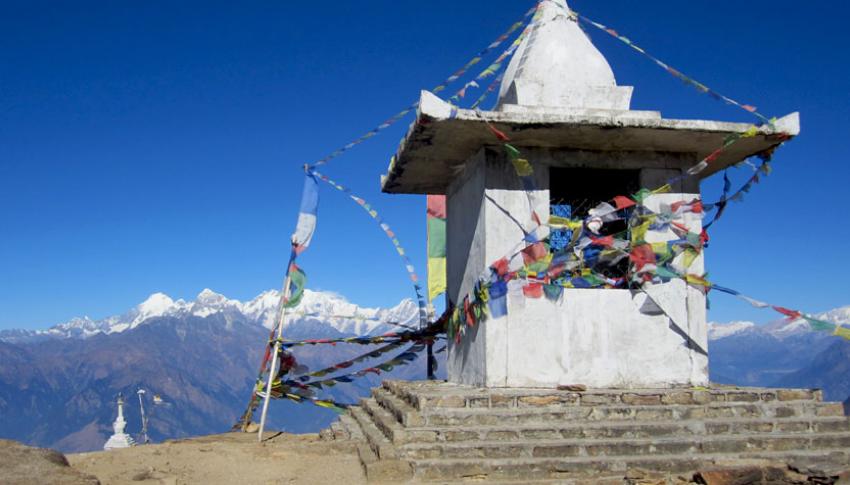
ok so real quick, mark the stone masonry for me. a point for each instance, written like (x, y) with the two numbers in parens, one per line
(433, 431)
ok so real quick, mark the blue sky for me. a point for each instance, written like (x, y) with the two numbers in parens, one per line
(155, 146)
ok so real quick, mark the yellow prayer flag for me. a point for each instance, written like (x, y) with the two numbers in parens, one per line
(842, 332)
(436, 277)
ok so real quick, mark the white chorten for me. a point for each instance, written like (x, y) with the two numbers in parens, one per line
(119, 438)
(562, 109)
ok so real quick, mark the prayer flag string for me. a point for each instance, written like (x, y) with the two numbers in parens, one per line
(672, 71)
(408, 264)
(295, 385)
(451, 79)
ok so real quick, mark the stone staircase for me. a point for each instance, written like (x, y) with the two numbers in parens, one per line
(437, 431)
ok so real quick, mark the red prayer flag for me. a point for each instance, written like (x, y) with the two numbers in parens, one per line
(437, 206)
(501, 266)
(714, 155)
(533, 290)
(623, 202)
(791, 314)
(606, 241)
(696, 207)
(467, 310)
(533, 253)
(642, 255)
(499, 134)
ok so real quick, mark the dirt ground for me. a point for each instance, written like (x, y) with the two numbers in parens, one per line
(232, 458)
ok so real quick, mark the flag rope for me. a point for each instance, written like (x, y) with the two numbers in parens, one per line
(442, 86)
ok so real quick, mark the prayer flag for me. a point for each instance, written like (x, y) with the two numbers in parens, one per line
(298, 280)
(533, 290)
(307, 215)
(436, 221)
(534, 252)
(623, 202)
(498, 299)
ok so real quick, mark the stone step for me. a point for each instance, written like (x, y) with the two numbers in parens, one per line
(384, 420)
(555, 448)
(351, 428)
(439, 394)
(581, 468)
(408, 416)
(374, 437)
(379, 457)
(546, 415)
(622, 429)
(404, 413)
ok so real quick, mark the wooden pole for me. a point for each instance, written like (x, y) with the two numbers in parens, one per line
(430, 354)
(431, 373)
(273, 366)
(145, 439)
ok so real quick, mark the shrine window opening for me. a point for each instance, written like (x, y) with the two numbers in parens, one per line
(573, 192)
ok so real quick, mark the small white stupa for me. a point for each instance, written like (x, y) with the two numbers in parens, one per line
(119, 438)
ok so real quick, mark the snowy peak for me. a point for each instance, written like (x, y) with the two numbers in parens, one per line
(839, 315)
(780, 329)
(210, 298)
(718, 331)
(209, 302)
(156, 304)
(316, 308)
(263, 308)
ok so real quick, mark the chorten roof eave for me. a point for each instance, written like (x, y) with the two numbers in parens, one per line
(443, 138)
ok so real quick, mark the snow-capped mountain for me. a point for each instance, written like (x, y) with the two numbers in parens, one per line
(780, 328)
(58, 386)
(316, 308)
(782, 353)
(838, 315)
(720, 330)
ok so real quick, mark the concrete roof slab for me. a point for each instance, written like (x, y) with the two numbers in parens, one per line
(442, 139)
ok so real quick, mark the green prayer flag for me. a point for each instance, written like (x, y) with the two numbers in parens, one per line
(298, 280)
(436, 237)
(820, 325)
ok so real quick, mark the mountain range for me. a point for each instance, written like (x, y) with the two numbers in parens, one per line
(261, 310)
(58, 386)
(784, 353)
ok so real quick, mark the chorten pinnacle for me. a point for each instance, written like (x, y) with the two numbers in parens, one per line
(557, 68)
(119, 438)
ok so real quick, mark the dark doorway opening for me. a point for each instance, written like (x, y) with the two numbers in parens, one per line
(573, 192)
(583, 189)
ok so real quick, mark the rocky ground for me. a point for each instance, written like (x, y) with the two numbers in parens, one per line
(226, 459)
(284, 458)
(217, 459)
(21, 465)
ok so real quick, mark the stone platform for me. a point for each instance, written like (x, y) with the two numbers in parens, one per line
(437, 431)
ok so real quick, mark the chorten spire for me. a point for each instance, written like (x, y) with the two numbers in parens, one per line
(557, 67)
(119, 438)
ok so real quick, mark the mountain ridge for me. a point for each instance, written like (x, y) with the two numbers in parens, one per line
(778, 328)
(327, 307)
(58, 388)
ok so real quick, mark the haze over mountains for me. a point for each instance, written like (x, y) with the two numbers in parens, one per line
(58, 386)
